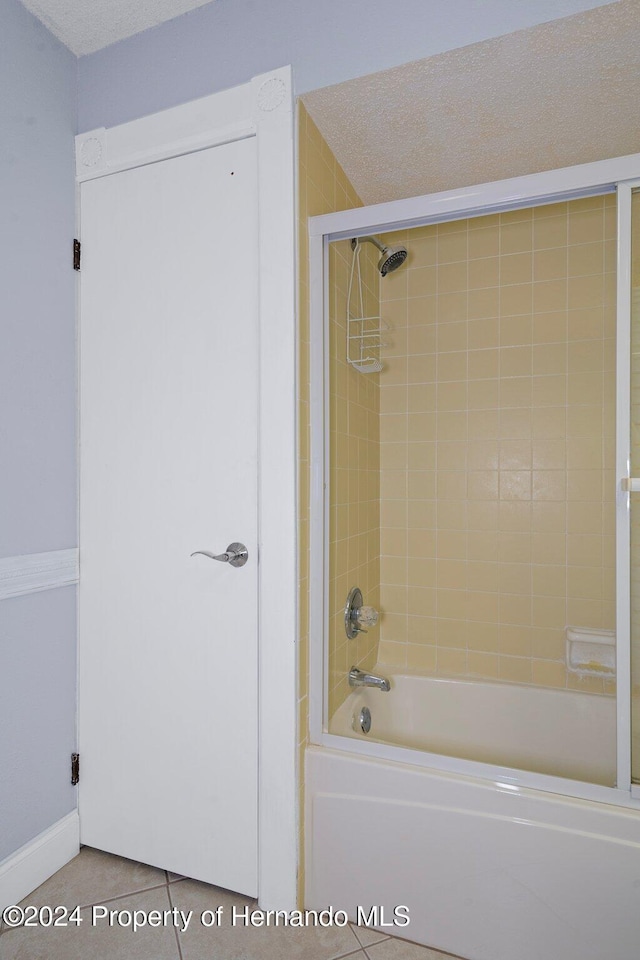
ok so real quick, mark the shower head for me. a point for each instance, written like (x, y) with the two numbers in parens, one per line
(392, 257)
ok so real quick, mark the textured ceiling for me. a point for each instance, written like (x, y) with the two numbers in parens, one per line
(88, 25)
(549, 96)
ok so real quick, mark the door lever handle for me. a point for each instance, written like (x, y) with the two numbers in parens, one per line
(236, 554)
(631, 484)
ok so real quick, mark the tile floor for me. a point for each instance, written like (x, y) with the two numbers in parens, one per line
(96, 878)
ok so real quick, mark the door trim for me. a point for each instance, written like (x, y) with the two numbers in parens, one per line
(263, 109)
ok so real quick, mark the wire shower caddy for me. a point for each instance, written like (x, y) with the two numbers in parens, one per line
(364, 334)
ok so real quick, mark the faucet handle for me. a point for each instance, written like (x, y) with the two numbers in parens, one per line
(356, 615)
(367, 616)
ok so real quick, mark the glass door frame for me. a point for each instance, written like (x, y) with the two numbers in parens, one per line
(624, 490)
(621, 174)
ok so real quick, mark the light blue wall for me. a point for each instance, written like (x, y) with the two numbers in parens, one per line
(227, 42)
(37, 419)
(37, 714)
(37, 358)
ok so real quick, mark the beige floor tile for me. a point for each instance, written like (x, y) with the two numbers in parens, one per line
(241, 942)
(102, 942)
(403, 950)
(93, 877)
(367, 936)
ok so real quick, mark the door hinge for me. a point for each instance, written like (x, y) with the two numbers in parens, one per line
(76, 254)
(75, 768)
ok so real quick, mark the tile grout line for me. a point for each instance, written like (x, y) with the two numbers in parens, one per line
(175, 929)
(363, 948)
(358, 940)
(383, 937)
(87, 906)
(374, 943)
(122, 896)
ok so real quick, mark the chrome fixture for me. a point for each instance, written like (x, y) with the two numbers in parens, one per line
(392, 257)
(236, 554)
(357, 616)
(358, 678)
(362, 722)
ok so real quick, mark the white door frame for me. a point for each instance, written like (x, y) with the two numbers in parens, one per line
(262, 109)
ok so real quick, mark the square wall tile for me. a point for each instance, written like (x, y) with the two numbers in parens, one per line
(495, 406)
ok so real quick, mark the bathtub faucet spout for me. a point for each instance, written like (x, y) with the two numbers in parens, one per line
(358, 678)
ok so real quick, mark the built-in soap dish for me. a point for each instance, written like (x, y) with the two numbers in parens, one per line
(591, 653)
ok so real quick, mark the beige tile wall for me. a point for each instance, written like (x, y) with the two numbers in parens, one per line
(497, 444)
(322, 188)
(354, 523)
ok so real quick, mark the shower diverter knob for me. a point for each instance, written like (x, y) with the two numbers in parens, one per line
(356, 615)
(367, 616)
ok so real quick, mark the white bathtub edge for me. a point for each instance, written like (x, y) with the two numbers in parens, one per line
(383, 833)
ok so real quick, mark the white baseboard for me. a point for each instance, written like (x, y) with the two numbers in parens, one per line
(39, 859)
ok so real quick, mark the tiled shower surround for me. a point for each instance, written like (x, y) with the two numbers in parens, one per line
(497, 444)
(354, 482)
(354, 429)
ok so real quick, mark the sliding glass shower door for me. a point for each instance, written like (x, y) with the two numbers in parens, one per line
(635, 472)
(482, 477)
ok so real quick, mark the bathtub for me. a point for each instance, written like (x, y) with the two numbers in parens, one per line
(489, 867)
(558, 732)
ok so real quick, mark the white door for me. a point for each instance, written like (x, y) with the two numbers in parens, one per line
(168, 432)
